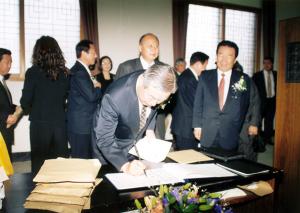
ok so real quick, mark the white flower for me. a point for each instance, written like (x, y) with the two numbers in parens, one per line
(240, 85)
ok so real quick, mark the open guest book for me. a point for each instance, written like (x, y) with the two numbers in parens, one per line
(167, 173)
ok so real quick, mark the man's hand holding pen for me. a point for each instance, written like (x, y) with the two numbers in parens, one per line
(135, 167)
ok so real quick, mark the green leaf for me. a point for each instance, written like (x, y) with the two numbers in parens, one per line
(202, 200)
(161, 191)
(205, 207)
(187, 186)
(171, 198)
(190, 208)
(215, 195)
(138, 204)
(166, 190)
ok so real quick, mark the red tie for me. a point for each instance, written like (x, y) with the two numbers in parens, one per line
(221, 91)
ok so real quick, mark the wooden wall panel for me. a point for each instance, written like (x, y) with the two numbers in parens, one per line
(287, 136)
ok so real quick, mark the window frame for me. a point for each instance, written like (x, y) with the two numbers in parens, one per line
(21, 75)
(223, 7)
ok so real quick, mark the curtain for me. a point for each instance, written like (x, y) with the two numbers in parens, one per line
(268, 11)
(180, 17)
(89, 22)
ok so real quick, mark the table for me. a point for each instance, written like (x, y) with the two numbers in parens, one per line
(106, 198)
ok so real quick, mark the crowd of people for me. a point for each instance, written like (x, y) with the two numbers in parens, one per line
(101, 115)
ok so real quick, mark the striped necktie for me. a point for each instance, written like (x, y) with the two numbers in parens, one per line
(143, 117)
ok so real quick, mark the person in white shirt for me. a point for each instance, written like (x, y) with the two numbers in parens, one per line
(265, 81)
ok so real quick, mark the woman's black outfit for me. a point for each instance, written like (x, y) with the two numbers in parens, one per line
(45, 101)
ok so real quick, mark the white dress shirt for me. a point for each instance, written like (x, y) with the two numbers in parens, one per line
(145, 64)
(266, 73)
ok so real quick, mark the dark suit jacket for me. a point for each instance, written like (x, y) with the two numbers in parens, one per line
(182, 115)
(104, 83)
(259, 80)
(207, 115)
(44, 99)
(6, 108)
(131, 66)
(116, 123)
(82, 101)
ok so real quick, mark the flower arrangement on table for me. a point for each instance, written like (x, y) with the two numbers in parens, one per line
(186, 198)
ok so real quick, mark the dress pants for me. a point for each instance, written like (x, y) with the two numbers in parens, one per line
(80, 145)
(182, 143)
(47, 141)
(268, 116)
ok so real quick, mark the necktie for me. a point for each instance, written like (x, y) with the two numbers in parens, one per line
(269, 89)
(7, 91)
(221, 92)
(143, 117)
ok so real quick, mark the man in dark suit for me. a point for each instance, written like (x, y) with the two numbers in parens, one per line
(221, 102)
(149, 51)
(84, 95)
(125, 107)
(182, 115)
(9, 113)
(266, 82)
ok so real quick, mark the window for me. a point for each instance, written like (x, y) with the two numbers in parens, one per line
(208, 25)
(59, 19)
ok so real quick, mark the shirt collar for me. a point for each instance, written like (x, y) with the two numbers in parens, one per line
(227, 73)
(194, 73)
(85, 66)
(145, 64)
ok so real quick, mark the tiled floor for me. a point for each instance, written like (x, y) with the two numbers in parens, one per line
(264, 158)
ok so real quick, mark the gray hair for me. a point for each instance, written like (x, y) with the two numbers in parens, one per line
(161, 77)
(179, 61)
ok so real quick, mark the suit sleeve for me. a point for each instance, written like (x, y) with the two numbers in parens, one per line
(28, 91)
(198, 105)
(253, 113)
(187, 95)
(85, 88)
(105, 127)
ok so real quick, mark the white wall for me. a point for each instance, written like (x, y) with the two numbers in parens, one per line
(122, 22)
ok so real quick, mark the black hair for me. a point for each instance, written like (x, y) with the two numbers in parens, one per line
(229, 44)
(198, 56)
(83, 45)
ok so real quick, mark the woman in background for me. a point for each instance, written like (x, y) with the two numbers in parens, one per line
(44, 99)
(105, 77)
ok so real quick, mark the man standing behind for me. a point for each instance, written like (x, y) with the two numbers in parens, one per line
(84, 95)
(183, 112)
(9, 113)
(125, 108)
(149, 50)
(265, 81)
(221, 102)
(180, 66)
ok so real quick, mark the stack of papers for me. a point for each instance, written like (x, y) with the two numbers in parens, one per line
(168, 173)
(64, 185)
(189, 156)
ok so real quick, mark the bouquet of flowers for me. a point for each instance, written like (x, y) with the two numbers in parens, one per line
(186, 198)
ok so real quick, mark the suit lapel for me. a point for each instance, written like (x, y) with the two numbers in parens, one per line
(213, 86)
(235, 77)
(139, 65)
(7, 94)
